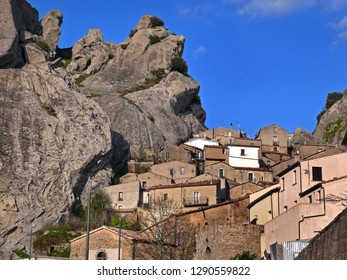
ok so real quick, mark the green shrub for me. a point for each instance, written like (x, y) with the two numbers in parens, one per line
(80, 79)
(21, 254)
(110, 56)
(132, 32)
(155, 22)
(60, 253)
(57, 236)
(124, 223)
(42, 44)
(94, 94)
(178, 64)
(153, 39)
(331, 99)
(66, 62)
(246, 255)
(124, 46)
(334, 128)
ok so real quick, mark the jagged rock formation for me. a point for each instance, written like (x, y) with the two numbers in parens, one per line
(149, 105)
(51, 31)
(53, 138)
(332, 127)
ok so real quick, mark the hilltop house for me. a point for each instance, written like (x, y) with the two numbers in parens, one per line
(274, 138)
(188, 195)
(104, 242)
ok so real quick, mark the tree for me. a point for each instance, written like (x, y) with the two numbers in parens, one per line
(172, 237)
(178, 64)
(101, 210)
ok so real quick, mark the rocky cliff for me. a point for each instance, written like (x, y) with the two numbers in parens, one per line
(53, 138)
(65, 113)
(143, 86)
(332, 127)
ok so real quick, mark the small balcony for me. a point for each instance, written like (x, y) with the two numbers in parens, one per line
(193, 201)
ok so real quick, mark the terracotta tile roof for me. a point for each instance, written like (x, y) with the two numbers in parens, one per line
(129, 234)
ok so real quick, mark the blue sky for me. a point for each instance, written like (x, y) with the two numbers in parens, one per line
(258, 62)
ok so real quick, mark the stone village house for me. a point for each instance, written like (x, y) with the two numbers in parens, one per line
(103, 245)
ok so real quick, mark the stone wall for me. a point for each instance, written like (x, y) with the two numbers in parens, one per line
(330, 244)
(225, 241)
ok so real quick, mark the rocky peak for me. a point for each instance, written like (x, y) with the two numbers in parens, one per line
(149, 102)
(332, 126)
(51, 23)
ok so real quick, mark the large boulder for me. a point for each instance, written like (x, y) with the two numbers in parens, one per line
(17, 21)
(51, 23)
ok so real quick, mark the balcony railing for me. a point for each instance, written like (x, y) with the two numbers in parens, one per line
(193, 201)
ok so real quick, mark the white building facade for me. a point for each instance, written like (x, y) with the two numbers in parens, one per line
(243, 156)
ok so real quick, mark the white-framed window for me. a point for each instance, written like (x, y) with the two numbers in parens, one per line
(196, 197)
(182, 170)
(221, 172)
(120, 196)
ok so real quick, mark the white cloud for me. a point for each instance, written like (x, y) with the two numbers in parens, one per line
(333, 5)
(342, 24)
(196, 10)
(188, 11)
(341, 27)
(200, 50)
(261, 8)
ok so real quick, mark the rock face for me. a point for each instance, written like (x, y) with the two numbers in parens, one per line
(149, 105)
(53, 138)
(332, 127)
(56, 136)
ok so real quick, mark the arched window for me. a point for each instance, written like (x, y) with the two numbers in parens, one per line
(101, 256)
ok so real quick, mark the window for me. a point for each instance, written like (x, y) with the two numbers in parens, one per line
(144, 184)
(294, 177)
(243, 152)
(250, 177)
(167, 155)
(182, 170)
(283, 184)
(120, 196)
(310, 198)
(101, 256)
(221, 172)
(171, 172)
(275, 141)
(196, 197)
(317, 173)
(166, 196)
(275, 129)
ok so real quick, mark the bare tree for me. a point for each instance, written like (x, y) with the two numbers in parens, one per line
(172, 237)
